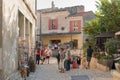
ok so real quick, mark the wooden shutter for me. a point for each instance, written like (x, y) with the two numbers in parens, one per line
(79, 25)
(49, 24)
(56, 23)
(70, 26)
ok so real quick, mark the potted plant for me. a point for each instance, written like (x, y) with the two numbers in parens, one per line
(117, 66)
(106, 58)
(111, 46)
(106, 61)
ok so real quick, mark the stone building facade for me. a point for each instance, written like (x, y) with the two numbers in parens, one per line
(62, 25)
(17, 20)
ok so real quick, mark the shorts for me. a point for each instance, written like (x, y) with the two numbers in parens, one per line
(47, 57)
(62, 63)
(88, 58)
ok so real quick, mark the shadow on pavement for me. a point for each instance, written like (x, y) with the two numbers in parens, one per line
(80, 77)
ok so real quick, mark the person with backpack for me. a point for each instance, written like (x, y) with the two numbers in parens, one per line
(89, 56)
(67, 61)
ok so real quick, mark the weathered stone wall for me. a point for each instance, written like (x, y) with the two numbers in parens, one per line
(31, 3)
(10, 33)
(10, 29)
(23, 8)
(0, 34)
(0, 23)
(38, 26)
(0, 58)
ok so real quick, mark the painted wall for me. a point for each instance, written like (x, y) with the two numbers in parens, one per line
(64, 38)
(10, 35)
(62, 22)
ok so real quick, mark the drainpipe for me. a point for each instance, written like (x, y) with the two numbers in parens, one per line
(40, 28)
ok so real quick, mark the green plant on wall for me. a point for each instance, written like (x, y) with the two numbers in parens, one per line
(111, 46)
(103, 57)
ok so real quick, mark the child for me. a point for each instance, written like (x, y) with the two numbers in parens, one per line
(78, 61)
(74, 64)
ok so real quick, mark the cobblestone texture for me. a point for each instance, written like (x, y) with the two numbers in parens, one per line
(50, 72)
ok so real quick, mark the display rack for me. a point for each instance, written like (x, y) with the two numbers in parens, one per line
(22, 52)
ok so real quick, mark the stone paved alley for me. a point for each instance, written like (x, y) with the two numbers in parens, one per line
(50, 72)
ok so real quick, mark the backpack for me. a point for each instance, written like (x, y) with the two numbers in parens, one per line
(58, 56)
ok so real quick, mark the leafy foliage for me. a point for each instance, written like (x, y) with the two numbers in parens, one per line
(90, 41)
(111, 46)
(103, 57)
(109, 14)
(107, 18)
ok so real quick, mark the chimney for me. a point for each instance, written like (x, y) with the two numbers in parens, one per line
(80, 8)
(53, 5)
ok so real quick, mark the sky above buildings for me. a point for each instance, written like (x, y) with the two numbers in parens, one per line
(88, 4)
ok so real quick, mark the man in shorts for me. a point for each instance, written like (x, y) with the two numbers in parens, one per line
(89, 56)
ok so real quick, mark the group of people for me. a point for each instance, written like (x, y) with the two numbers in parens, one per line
(42, 54)
(65, 59)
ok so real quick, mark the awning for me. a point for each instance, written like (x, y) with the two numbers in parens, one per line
(105, 35)
(117, 33)
(54, 34)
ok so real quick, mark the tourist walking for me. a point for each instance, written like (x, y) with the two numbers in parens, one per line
(42, 55)
(62, 58)
(37, 55)
(47, 53)
(89, 55)
(58, 58)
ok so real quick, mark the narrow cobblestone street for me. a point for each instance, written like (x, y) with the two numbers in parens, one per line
(50, 72)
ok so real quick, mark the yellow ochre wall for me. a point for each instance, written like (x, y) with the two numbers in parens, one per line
(64, 38)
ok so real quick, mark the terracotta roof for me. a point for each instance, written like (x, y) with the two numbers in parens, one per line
(80, 14)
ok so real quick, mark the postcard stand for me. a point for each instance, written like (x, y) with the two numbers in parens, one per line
(22, 56)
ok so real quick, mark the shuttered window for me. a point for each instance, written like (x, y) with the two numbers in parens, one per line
(53, 24)
(75, 26)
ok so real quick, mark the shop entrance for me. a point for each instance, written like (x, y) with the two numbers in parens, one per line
(55, 41)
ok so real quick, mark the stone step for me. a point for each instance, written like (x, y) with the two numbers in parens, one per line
(115, 75)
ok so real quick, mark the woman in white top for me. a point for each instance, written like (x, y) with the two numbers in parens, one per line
(47, 53)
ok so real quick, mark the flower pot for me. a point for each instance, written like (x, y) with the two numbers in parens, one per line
(106, 64)
(31, 65)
